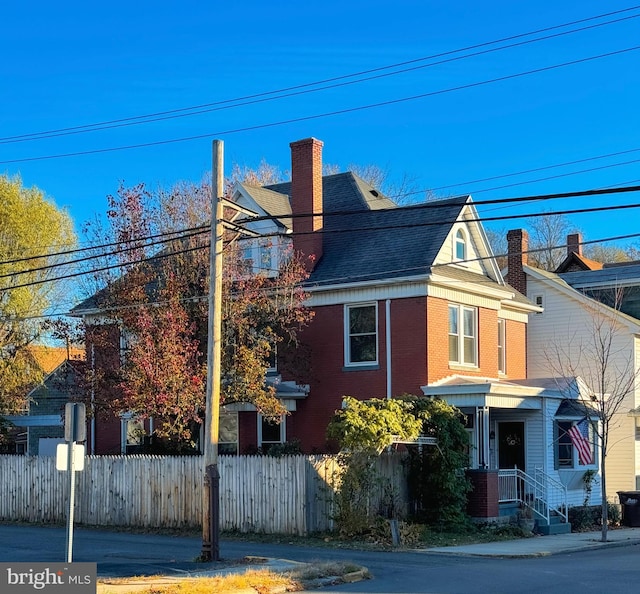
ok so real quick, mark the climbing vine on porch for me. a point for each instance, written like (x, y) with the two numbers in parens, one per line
(438, 486)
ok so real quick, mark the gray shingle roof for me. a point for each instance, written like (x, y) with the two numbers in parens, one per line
(613, 276)
(373, 238)
(366, 235)
(272, 202)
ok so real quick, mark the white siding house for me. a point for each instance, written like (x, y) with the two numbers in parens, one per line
(561, 341)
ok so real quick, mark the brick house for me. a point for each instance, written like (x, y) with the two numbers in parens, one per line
(407, 299)
(403, 296)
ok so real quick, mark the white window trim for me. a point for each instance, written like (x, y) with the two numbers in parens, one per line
(125, 419)
(536, 298)
(461, 336)
(574, 451)
(502, 346)
(283, 431)
(237, 423)
(347, 335)
(464, 241)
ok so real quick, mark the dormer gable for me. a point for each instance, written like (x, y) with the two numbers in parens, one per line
(466, 245)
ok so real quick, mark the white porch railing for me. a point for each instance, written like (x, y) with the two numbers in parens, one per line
(541, 493)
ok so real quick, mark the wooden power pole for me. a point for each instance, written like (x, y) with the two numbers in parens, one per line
(211, 502)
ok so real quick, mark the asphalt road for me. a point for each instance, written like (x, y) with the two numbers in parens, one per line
(614, 570)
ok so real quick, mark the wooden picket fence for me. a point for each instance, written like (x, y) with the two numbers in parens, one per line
(289, 495)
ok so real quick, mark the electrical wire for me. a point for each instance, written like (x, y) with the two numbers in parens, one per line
(193, 231)
(350, 278)
(163, 254)
(128, 248)
(325, 114)
(297, 89)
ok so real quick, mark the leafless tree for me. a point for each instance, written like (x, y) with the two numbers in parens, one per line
(548, 236)
(602, 355)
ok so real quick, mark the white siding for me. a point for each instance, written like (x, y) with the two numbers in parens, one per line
(567, 323)
(446, 254)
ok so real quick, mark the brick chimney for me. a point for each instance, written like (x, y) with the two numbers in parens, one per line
(517, 245)
(306, 198)
(574, 244)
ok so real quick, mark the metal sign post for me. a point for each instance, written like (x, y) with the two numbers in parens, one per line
(75, 429)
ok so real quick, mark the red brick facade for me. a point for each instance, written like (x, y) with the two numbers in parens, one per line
(419, 355)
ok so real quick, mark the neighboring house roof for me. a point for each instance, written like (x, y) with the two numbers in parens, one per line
(619, 275)
(48, 358)
(576, 262)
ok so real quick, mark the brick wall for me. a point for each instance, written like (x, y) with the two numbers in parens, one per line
(438, 365)
(330, 380)
(483, 499)
(516, 351)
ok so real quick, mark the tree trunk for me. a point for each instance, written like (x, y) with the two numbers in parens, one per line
(605, 507)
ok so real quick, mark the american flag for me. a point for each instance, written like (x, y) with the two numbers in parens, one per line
(579, 434)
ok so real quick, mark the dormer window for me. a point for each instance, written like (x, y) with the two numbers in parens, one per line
(460, 246)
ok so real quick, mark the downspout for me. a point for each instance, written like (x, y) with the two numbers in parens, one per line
(387, 321)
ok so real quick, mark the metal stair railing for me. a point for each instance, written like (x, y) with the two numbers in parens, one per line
(556, 493)
(533, 492)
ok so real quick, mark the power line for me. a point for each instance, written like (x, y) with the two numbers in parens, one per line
(163, 255)
(196, 298)
(325, 114)
(128, 248)
(193, 231)
(298, 89)
(558, 176)
(450, 202)
(535, 170)
(171, 234)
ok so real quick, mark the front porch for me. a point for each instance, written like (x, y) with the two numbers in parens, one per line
(514, 461)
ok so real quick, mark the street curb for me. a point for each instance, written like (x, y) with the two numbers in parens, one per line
(546, 553)
(356, 576)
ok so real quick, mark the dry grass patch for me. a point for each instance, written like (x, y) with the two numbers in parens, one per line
(262, 581)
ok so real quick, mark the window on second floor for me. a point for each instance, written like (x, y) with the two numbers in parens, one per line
(266, 257)
(502, 336)
(361, 334)
(463, 335)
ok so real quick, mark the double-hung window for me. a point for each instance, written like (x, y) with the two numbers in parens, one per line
(463, 335)
(361, 334)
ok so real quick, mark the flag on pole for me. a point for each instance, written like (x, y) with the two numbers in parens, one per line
(579, 434)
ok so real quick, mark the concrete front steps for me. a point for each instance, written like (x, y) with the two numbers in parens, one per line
(556, 526)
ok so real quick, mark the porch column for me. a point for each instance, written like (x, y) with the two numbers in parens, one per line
(482, 435)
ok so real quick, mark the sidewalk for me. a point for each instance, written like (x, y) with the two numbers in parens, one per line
(539, 546)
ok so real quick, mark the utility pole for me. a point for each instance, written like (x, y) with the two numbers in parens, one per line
(211, 502)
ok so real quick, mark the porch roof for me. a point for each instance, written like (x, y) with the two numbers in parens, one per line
(465, 391)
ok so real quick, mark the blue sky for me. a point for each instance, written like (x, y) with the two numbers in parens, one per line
(74, 63)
